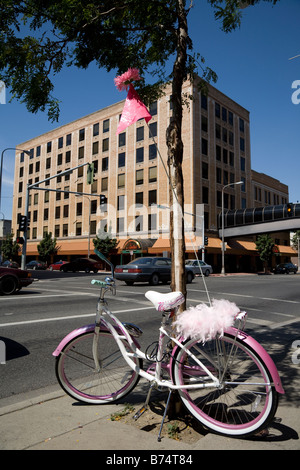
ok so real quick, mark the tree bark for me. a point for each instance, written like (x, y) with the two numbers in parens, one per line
(175, 157)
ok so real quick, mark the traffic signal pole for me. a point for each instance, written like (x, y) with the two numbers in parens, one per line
(36, 186)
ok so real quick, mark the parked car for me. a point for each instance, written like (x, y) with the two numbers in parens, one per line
(82, 264)
(36, 265)
(10, 264)
(194, 265)
(57, 265)
(148, 269)
(12, 280)
(285, 268)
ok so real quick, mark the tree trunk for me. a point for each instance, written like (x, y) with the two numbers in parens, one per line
(176, 190)
(175, 157)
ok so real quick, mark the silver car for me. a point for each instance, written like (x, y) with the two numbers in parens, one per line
(194, 265)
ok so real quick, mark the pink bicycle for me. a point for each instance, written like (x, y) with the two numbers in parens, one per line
(226, 380)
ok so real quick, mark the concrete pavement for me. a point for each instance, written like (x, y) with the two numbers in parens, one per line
(54, 421)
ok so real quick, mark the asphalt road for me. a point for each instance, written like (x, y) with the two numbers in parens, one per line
(33, 322)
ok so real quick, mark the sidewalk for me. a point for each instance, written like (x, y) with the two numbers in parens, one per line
(55, 421)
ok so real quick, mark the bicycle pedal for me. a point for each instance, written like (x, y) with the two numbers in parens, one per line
(139, 413)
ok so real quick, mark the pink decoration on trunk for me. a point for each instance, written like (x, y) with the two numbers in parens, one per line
(134, 109)
(123, 81)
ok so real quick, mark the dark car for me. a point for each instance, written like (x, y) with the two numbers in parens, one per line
(194, 265)
(36, 265)
(148, 269)
(10, 264)
(285, 268)
(12, 280)
(82, 264)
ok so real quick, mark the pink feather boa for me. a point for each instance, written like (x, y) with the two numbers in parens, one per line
(123, 81)
(204, 322)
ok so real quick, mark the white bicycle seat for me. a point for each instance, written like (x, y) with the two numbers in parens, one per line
(163, 302)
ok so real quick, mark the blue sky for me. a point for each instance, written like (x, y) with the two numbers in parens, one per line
(253, 68)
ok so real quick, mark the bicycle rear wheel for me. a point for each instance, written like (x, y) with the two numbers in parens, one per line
(244, 404)
(83, 379)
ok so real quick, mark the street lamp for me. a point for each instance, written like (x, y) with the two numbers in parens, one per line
(223, 247)
(9, 148)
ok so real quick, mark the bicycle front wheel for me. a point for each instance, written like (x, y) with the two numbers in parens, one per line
(105, 378)
(245, 402)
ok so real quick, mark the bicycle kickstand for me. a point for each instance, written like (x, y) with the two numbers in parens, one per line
(145, 406)
(164, 416)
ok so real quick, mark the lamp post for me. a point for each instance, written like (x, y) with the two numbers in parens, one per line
(8, 148)
(223, 247)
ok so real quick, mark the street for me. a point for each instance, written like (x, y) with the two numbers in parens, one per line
(35, 320)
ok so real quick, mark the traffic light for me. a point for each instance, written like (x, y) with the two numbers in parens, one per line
(90, 173)
(205, 241)
(103, 199)
(22, 223)
(20, 240)
(289, 209)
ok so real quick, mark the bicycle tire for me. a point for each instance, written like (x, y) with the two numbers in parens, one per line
(244, 404)
(77, 375)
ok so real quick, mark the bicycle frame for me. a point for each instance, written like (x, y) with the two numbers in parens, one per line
(120, 332)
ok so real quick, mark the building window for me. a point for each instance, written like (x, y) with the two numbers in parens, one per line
(95, 148)
(152, 174)
(120, 224)
(69, 139)
(242, 125)
(242, 144)
(152, 151)
(81, 135)
(93, 227)
(105, 145)
(122, 139)
(139, 199)
(105, 164)
(94, 206)
(140, 155)
(66, 211)
(139, 133)
(243, 164)
(59, 159)
(203, 101)
(204, 146)
(153, 108)
(78, 229)
(46, 214)
(79, 209)
(104, 184)
(48, 163)
(217, 110)
(80, 152)
(153, 129)
(152, 222)
(121, 202)
(38, 151)
(139, 178)
(121, 160)
(106, 125)
(204, 195)
(49, 147)
(96, 129)
(224, 114)
(204, 123)
(205, 170)
(57, 212)
(121, 180)
(138, 223)
(57, 231)
(152, 197)
(68, 156)
(60, 142)
(65, 230)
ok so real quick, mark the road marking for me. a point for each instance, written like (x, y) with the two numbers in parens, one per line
(71, 317)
